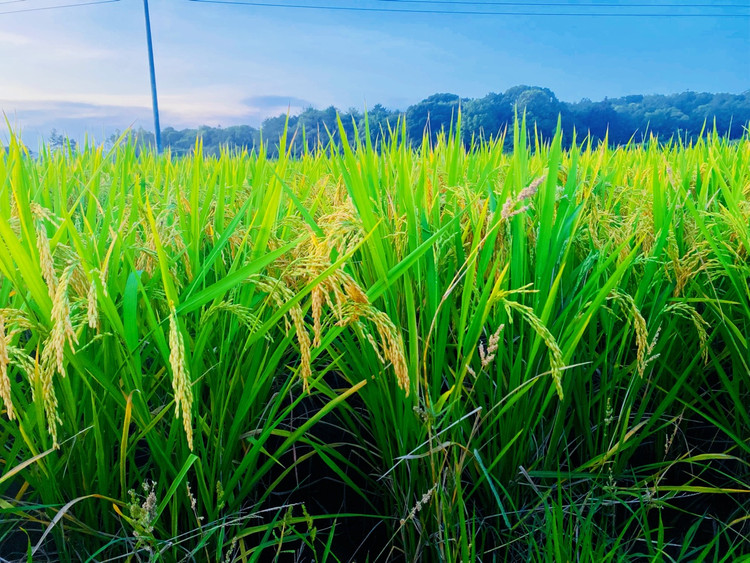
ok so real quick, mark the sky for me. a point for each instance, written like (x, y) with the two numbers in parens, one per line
(85, 68)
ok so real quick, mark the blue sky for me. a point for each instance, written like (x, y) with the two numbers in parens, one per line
(85, 68)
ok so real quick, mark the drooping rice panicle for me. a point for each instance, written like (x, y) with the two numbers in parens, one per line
(183, 393)
(5, 392)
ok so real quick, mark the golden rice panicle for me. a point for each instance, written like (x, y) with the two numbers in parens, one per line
(183, 393)
(641, 330)
(392, 345)
(240, 312)
(62, 327)
(687, 311)
(279, 293)
(641, 338)
(318, 298)
(53, 352)
(43, 246)
(688, 266)
(556, 359)
(303, 339)
(92, 310)
(44, 372)
(374, 344)
(4, 379)
(352, 289)
(274, 291)
(339, 300)
(391, 348)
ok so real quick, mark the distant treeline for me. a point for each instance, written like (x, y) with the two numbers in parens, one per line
(620, 119)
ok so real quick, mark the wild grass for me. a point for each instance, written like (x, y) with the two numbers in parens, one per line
(394, 354)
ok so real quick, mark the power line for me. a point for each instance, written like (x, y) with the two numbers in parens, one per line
(566, 5)
(467, 12)
(12, 2)
(43, 8)
(152, 75)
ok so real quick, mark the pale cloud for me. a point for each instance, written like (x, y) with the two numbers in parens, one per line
(83, 52)
(14, 39)
(49, 47)
(40, 111)
(29, 98)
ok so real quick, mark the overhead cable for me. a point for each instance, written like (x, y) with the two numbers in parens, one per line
(566, 4)
(468, 12)
(57, 7)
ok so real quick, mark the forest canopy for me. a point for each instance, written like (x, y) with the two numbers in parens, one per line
(619, 120)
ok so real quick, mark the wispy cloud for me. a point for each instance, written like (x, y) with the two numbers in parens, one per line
(46, 47)
(14, 39)
(36, 114)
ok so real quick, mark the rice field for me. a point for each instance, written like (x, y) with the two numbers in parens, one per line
(377, 353)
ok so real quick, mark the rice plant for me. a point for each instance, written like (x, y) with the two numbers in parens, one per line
(389, 354)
